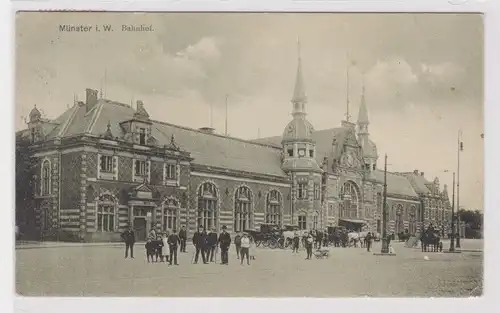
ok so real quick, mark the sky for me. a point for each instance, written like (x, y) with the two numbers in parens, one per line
(423, 76)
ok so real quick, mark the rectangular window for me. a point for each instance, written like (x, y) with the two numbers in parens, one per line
(140, 168)
(302, 191)
(106, 164)
(33, 134)
(105, 218)
(315, 222)
(142, 136)
(302, 222)
(170, 171)
(317, 192)
(311, 153)
(290, 152)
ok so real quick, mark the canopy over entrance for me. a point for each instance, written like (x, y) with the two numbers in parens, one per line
(352, 224)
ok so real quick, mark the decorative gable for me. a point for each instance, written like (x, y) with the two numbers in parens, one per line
(143, 191)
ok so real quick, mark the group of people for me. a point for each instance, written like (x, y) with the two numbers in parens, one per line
(163, 247)
(206, 244)
(160, 247)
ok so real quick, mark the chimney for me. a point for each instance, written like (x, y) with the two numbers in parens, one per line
(415, 172)
(91, 98)
(207, 130)
(421, 173)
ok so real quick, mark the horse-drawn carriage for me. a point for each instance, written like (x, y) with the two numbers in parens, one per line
(269, 235)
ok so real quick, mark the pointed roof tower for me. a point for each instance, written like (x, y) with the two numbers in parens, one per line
(299, 98)
(299, 129)
(363, 111)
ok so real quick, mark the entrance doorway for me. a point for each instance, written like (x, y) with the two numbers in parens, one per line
(140, 228)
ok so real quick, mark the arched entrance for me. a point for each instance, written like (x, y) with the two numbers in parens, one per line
(349, 195)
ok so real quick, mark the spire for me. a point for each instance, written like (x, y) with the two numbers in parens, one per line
(363, 112)
(299, 98)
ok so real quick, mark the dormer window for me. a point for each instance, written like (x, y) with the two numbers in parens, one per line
(311, 153)
(290, 152)
(142, 136)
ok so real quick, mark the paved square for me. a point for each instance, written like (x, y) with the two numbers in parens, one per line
(350, 272)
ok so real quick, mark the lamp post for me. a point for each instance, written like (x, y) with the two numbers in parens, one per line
(385, 244)
(452, 241)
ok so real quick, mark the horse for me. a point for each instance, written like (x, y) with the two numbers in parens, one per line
(430, 241)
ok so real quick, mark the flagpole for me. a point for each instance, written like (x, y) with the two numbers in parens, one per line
(226, 114)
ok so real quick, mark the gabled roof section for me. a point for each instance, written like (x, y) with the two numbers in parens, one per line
(418, 182)
(397, 184)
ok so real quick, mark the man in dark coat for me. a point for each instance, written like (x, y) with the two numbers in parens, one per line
(199, 241)
(211, 244)
(224, 243)
(183, 238)
(128, 237)
(173, 240)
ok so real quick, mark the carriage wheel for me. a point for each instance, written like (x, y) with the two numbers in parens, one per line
(288, 243)
(272, 243)
(265, 243)
(257, 242)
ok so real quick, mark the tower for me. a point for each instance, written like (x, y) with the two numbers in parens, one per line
(299, 160)
(368, 147)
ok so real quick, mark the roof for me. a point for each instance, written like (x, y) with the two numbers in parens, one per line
(206, 149)
(299, 129)
(418, 182)
(397, 184)
(363, 111)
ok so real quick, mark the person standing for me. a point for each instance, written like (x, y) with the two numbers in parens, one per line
(368, 239)
(211, 244)
(245, 248)
(224, 243)
(129, 237)
(295, 242)
(309, 246)
(165, 252)
(183, 238)
(199, 239)
(237, 244)
(173, 241)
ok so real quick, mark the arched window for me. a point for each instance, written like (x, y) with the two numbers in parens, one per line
(170, 212)
(302, 218)
(207, 206)
(315, 220)
(273, 207)
(45, 178)
(413, 220)
(106, 213)
(242, 209)
(350, 198)
(399, 219)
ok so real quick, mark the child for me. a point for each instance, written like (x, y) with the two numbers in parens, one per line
(165, 250)
(440, 246)
(149, 249)
(158, 247)
(309, 246)
(237, 244)
(245, 248)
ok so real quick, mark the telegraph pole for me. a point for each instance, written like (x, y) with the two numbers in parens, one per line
(452, 241)
(385, 245)
(459, 149)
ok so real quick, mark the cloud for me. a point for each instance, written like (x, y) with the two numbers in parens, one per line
(205, 49)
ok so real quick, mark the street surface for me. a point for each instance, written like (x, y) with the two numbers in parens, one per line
(349, 272)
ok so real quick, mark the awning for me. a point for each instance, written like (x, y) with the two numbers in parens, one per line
(353, 221)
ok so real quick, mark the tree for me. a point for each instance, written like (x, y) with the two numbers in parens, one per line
(25, 186)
